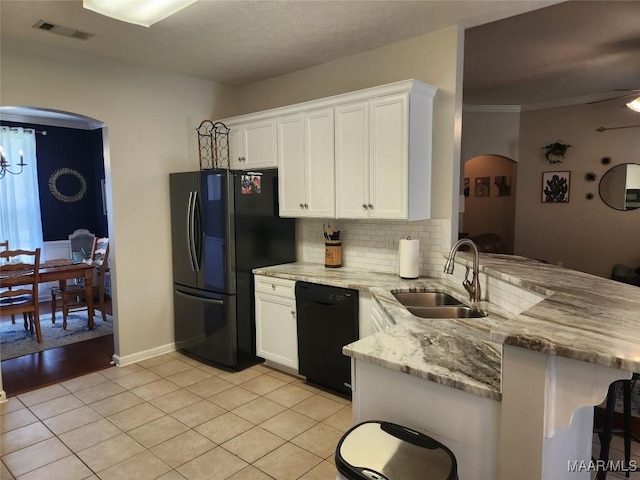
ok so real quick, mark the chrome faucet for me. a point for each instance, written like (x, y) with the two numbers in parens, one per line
(472, 286)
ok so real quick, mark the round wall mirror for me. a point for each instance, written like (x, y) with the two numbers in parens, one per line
(620, 187)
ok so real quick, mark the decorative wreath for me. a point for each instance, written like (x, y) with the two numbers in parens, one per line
(61, 196)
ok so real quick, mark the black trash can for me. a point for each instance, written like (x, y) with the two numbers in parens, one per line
(376, 450)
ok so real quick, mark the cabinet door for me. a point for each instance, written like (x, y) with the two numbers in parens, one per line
(276, 330)
(352, 160)
(291, 191)
(319, 163)
(236, 147)
(389, 157)
(260, 144)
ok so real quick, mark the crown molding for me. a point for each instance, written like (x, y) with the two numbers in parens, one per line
(492, 108)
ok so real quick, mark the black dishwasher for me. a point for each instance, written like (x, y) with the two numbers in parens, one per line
(327, 320)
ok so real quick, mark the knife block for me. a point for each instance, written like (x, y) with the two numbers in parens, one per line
(333, 253)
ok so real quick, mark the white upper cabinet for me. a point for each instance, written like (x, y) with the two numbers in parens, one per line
(306, 181)
(363, 154)
(383, 157)
(253, 145)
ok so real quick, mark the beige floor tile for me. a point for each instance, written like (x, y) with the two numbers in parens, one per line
(323, 471)
(67, 468)
(288, 462)
(183, 358)
(144, 466)
(210, 387)
(43, 395)
(90, 435)
(155, 389)
(5, 474)
(318, 407)
(183, 448)
(35, 456)
(23, 437)
(68, 421)
(303, 384)
(253, 444)
(119, 372)
(136, 379)
(157, 431)
(209, 369)
(198, 413)
(11, 405)
(110, 452)
(285, 377)
(224, 427)
(336, 398)
(16, 419)
(172, 367)
(99, 392)
(341, 420)
(155, 361)
(259, 410)
(263, 384)
(288, 424)
(189, 377)
(261, 368)
(250, 473)
(171, 475)
(239, 377)
(85, 381)
(233, 398)
(175, 400)
(289, 395)
(54, 407)
(117, 403)
(321, 440)
(136, 416)
(216, 464)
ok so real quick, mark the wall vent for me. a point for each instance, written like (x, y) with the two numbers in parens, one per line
(64, 31)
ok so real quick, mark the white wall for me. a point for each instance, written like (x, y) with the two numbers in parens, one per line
(493, 131)
(151, 117)
(583, 234)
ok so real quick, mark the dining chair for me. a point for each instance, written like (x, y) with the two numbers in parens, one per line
(22, 298)
(73, 296)
(3, 247)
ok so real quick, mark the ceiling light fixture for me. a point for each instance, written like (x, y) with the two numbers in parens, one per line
(140, 12)
(635, 105)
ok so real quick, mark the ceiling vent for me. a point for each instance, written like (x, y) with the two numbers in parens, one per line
(64, 31)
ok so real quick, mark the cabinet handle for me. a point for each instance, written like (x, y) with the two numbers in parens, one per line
(306, 205)
(364, 205)
(293, 312)
(370, 206)
(302, 205)
(273, 286)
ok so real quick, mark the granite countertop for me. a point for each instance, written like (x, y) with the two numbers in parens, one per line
(582, 316)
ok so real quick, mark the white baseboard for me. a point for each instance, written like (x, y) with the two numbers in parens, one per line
(144, 355)
(3, 396)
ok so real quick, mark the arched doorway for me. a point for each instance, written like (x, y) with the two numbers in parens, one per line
(64, 141)
(489, 198)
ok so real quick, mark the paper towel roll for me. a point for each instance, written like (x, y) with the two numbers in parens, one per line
(408, 258)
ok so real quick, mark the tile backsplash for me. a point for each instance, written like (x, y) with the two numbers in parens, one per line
(373, 244)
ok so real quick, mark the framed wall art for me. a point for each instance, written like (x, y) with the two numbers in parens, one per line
(482, 186)
(555, 187)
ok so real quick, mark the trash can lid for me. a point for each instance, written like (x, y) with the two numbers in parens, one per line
(376, 450)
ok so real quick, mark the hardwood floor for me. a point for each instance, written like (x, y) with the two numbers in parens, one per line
(55, 365)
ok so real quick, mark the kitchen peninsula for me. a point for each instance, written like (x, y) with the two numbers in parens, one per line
(511, 393)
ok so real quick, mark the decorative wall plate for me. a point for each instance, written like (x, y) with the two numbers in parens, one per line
(53, 185)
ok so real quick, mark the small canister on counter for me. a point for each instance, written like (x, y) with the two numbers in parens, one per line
(333, 253)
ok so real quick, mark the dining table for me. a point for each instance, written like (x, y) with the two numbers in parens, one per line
(60, 270)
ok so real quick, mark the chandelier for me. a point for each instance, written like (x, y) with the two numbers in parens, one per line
(4, 164)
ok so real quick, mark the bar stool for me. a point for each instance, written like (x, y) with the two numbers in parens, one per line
(376, 450)
(605, 433)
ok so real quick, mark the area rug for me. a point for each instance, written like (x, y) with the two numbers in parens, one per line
(15, 341)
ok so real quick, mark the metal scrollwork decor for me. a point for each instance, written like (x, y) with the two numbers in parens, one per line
(53, 185)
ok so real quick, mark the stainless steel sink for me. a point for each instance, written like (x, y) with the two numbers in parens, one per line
(425, 299)
(449, 311)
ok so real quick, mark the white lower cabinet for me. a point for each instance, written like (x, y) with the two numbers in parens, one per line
(276, 329)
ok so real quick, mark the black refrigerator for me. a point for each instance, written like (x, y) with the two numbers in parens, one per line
(224, 224)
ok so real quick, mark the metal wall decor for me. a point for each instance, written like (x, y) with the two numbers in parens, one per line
(213, 145)
(53, 185)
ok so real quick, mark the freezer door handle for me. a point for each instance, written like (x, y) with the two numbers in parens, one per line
(215, 301)
(189, 228)
(197, 232)
(191, 217)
